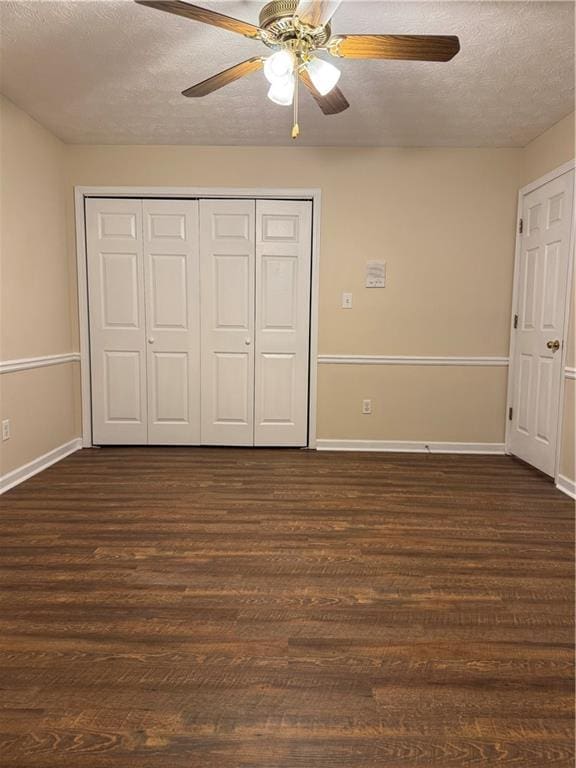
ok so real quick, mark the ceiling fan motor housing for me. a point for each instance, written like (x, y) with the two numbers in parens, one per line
(278, 19)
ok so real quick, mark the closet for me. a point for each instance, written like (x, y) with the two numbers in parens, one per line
(199, 317)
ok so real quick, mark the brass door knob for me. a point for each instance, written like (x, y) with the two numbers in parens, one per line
(553, 345)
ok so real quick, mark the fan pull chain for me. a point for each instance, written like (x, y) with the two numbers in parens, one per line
(296, 127)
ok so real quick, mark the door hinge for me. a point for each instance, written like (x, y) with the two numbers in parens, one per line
(515, 321)
(510, 410)
(521, 226)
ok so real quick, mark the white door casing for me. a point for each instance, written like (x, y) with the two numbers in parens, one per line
(117, 321)
(283, 267)
(227, 324)
(541, 291)
(84, 193)
(171, 270)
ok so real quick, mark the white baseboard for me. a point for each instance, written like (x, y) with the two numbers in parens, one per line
(405, 446)
(566, 485)
(17, 476)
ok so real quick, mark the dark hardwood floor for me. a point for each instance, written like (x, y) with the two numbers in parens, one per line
(236, 608)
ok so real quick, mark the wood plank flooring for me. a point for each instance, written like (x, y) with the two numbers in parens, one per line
(237, 608)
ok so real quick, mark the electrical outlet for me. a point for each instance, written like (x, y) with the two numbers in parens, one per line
(367, 407)
(6, 430)
(346, 301)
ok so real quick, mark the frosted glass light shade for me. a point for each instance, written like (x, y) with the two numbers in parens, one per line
(282, 91)
(279, 66)
(324, 75)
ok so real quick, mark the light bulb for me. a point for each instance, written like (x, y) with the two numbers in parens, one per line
(282, 91)
(279, 66)
(324, 75)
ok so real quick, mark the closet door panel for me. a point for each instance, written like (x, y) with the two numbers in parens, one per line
(164, 372)
(227, 325)
(172, 321)
(117, 321)
(283, 263)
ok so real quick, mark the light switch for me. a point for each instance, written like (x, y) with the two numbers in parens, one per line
(346, 301)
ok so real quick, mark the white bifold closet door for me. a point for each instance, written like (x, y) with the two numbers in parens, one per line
(255, 277)
(227, 278)
(199, 321)
(144, 321)
(282, 321)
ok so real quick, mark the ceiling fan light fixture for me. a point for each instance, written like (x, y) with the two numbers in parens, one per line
(282, 91)
(279, 66)
(324, 75)
(296, 30)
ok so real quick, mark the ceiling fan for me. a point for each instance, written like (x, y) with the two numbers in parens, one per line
(297, 30)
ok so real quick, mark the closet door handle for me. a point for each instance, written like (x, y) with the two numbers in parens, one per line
(150, 339)
(247, 342)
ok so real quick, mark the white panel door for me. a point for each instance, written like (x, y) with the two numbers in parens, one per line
(227, 323)
(117, 321)
(171, 268)
(283, 263)
(541, 291)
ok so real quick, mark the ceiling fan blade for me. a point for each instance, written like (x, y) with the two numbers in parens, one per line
(404, 47)
(331, 104)
(316, 13)
(204, 15)
(224, 78)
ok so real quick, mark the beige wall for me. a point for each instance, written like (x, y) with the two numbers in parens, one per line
(35, 289)
(548, 151)
(415, 403)
(41, 407)
(442, 219)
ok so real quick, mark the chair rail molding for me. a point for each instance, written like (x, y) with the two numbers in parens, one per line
(570, 373)
(482, 360)
(28, 363)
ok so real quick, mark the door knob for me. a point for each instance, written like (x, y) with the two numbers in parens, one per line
(553, 345)
(247, 342)
(150, 339)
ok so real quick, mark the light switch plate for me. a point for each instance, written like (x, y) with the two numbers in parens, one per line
(6, 429)
(346, 301)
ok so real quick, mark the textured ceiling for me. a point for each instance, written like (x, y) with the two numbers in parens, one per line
(111, 72)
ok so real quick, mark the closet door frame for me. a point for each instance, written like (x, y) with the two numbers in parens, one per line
(82, 193)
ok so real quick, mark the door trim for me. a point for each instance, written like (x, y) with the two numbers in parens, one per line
(554, 174)
(81, 193)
